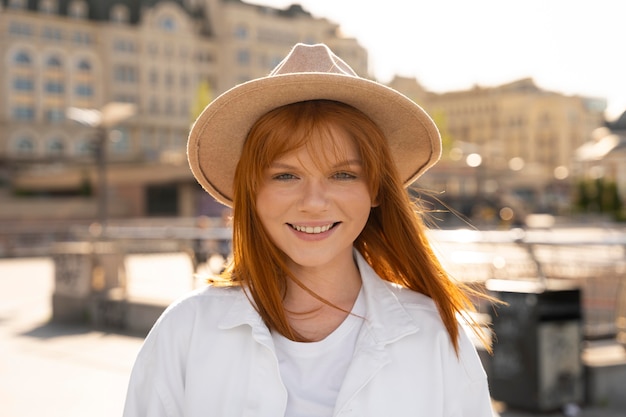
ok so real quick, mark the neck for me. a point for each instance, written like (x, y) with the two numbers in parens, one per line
(317, 310)
(338, 285)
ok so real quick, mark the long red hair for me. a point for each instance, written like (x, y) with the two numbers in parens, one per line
(393, 241)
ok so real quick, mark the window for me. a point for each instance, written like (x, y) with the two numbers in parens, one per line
(23, 84)
(24, 113)
(54, 62)
(125, 98)
(25, 145)
(22, 58)
(84, 90)
(52, 33)
(243, 57)
(241, 32)
(82, 38)
(55, 115)
(54, 87)
(20, 29)
(167, 24)
(125, 74)
(84, 65)
(124, 45)
(55, 146)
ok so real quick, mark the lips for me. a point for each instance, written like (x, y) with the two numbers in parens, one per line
(313, 230)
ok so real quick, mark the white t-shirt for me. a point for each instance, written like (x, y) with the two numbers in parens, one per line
(313, 372)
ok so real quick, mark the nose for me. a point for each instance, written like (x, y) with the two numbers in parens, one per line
(314, 196)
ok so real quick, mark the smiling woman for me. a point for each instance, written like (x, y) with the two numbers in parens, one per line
(334, 300)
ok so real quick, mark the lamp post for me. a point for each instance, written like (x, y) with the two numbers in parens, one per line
(102, 120)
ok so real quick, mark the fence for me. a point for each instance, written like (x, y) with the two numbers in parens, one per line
(594, 259)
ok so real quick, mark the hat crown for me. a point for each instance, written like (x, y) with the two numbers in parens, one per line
(312, 58)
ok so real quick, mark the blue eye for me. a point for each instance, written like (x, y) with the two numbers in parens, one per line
(284, 177)
(344, 176)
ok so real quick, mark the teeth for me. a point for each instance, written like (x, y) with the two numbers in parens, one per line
(313, 230)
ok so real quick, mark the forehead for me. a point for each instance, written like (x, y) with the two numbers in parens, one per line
(329, 145)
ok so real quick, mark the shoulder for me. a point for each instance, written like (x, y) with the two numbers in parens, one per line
(414, 302)
(209, 303)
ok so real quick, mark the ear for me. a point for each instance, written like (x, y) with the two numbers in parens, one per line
(375, 202)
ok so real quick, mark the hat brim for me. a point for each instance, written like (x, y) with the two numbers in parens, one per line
(217, 136)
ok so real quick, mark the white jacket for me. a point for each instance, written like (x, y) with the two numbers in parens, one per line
(211, 355)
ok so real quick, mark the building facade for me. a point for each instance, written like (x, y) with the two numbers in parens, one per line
(169, 58)
(514, 143)
(511, 144)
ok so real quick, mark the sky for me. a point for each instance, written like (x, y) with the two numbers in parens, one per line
(574, 47)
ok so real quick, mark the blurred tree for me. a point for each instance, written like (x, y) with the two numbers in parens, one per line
(599, 196)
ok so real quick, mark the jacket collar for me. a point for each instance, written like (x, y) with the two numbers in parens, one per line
(385, 319)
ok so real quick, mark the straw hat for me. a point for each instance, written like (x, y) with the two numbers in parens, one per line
(309, 72)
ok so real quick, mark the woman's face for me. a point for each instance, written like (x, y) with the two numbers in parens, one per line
(313, 209)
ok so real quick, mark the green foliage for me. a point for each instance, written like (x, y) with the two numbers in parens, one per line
(204, 96)
(599, 196)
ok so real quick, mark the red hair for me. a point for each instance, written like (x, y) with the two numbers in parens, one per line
(393, 241)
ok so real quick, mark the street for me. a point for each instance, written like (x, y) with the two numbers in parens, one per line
(55, 370)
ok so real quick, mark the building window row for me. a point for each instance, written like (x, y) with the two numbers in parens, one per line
(23, 84)
(24, 113)
(27, 85)
(27, 145)
(124, 45)
(23, 58)
(168, 79)
(20, 29)
(25, 30)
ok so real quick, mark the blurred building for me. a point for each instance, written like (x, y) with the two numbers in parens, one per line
(515, 143)
(512, 144)
(168, 57)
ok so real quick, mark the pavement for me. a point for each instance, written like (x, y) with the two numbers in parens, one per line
(56, 370)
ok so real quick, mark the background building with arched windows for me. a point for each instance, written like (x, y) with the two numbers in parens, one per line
(171, 57)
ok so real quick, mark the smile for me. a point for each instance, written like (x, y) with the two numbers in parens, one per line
(313, 229)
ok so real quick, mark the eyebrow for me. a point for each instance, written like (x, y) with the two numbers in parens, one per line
(341, 164)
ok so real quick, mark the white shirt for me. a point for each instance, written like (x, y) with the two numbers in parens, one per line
(313, 372)
(211, 355)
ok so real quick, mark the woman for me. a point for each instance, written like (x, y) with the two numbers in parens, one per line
(334, 303)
